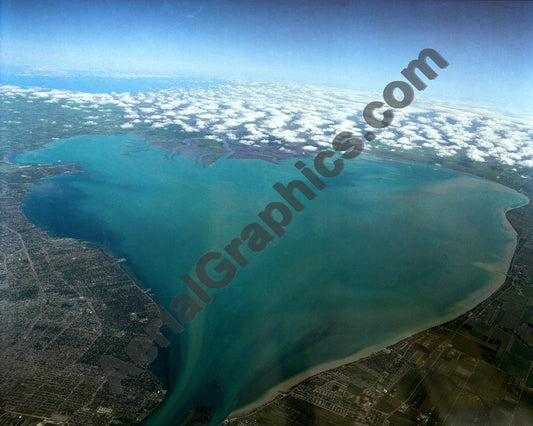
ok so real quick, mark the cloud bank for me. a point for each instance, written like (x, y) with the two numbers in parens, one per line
(300, 119)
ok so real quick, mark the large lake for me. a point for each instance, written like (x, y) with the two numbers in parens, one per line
(385, 249)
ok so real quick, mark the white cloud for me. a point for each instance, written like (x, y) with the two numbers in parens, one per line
(298, 118)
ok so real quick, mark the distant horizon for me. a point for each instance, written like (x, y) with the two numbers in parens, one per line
(107, 83)
(357, 46)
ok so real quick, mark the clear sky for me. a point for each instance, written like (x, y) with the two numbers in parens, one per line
(360, 45)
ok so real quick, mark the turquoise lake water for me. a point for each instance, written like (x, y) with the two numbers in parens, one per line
(384, 249)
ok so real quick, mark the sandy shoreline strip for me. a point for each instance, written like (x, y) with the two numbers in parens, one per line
(287, 384)
(459, 309)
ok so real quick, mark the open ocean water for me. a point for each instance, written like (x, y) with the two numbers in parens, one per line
(103, 84)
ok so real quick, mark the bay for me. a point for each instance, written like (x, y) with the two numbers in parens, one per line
(385, 249)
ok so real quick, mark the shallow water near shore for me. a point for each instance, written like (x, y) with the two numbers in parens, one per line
(384, 249)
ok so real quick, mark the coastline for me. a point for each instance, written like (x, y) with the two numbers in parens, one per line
(461, 308)
(289, 383)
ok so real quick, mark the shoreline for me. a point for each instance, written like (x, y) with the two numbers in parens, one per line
(330, 365)
(460, 308)
(285, 386)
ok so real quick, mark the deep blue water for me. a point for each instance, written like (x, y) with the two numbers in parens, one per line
(92, 84)
(384, 249)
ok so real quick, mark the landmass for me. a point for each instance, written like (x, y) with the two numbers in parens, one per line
(76, 330)
(68, 315)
